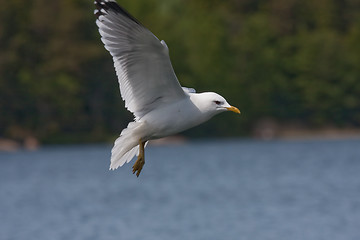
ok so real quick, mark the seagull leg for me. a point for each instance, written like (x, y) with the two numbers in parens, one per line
(138, 165)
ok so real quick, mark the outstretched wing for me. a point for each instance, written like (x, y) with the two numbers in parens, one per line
(141, 61)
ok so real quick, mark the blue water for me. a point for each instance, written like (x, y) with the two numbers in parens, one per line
(277, 190)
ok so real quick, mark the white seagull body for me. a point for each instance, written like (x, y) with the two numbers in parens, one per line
(149, 86)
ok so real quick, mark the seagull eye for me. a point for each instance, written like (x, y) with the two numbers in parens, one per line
(217, 102)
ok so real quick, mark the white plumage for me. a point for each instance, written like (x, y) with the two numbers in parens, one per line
(141, 61)
(148, 85)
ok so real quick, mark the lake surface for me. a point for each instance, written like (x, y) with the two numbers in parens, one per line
(229, 189)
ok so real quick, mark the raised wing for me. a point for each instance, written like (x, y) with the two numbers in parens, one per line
(141, 61)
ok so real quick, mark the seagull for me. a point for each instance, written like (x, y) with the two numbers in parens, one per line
(149, 86)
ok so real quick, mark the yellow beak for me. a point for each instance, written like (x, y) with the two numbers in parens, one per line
(233, 109)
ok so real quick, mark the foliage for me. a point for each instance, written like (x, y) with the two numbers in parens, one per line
(290, 60)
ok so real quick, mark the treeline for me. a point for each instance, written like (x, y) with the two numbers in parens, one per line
(290, 60)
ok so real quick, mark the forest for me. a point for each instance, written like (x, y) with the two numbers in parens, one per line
(292, 61)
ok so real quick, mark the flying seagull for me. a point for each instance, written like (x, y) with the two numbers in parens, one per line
(149, 86)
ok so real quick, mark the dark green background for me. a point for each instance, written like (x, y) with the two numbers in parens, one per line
(288, 60)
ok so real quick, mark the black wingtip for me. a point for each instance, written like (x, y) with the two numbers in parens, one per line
(103, 6)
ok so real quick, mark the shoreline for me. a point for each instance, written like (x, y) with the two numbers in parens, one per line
(267, 133)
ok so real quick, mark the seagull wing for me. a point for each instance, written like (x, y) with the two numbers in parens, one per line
(188, 90)
(141, 61)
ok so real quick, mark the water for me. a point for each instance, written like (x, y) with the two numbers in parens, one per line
(236, 189)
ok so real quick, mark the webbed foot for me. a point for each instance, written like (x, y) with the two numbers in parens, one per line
(138, 165)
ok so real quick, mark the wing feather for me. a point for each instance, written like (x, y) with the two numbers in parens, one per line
(141, 61)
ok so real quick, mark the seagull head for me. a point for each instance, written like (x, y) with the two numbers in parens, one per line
(214, 103)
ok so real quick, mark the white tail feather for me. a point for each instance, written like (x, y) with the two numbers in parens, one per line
(126, 146)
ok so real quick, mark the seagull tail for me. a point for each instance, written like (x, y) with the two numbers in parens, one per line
(126, 146)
